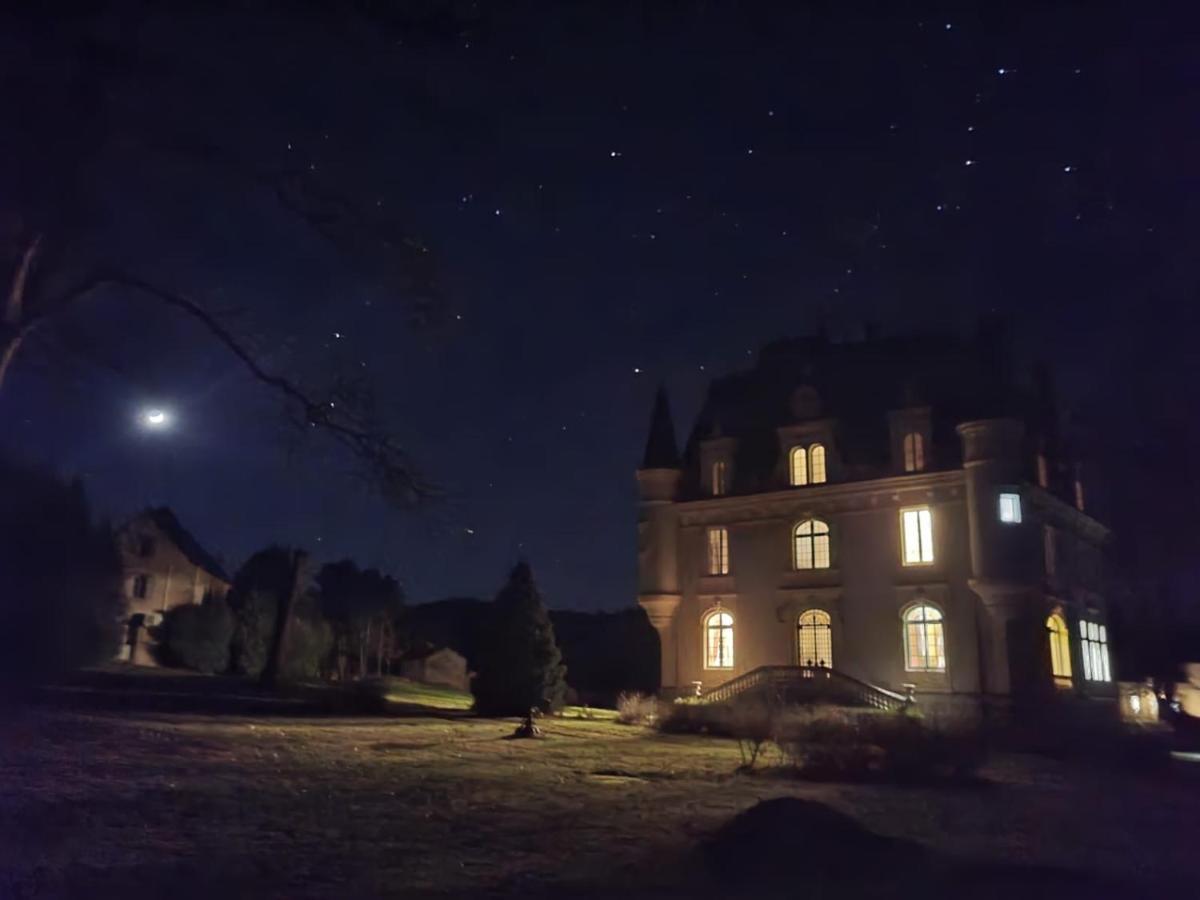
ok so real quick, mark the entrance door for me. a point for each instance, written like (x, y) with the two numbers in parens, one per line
(814, 638)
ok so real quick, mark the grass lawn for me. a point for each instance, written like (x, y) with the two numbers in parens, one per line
(103, 796)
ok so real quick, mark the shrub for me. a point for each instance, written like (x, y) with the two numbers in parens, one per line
(197, 636)
(60, 577)
(308, 648)
(637, 709)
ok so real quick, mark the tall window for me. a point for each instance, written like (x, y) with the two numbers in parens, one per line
(1043, 471)
(1050, 549)
(1095, 651)
(718, 640)
(811, 542)
(799, 464)
(916, 536)
(1010, 508)
(814, 638)
(924, 639)
(914, 452)
(1079, 495)
(719, 486)
(816, 463)
(1060, 646)
(141, 586)
(718, 551)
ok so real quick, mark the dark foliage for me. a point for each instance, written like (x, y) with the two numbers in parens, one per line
(362, 606)
(60, 577)
(197, 636)
(520, 666)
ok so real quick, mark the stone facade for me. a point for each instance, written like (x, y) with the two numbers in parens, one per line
(164, 567)
(718, 529)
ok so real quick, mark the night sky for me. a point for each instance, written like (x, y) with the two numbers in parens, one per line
(614, 198)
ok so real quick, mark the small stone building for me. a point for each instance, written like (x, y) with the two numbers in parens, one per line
(898, 514)
(436, 665)
(164, 567)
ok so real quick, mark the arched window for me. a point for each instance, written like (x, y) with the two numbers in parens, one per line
(816, 463)
(719, 486)
(914, 452)
(1060, 646)
(141, 586)
(814, 638)
(799, 464)
(718, 551)
(924, 639)
(718, 640)
(810, 540)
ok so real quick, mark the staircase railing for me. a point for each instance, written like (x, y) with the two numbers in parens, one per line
(808, 682)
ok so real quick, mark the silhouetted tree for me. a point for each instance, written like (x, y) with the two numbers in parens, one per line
(520, 666)
(196, 636)
(60, 577)
(363, 606)
(254, 599)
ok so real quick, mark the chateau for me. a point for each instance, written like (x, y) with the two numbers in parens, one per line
(902, 514)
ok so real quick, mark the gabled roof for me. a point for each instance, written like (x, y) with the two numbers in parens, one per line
(169, 525)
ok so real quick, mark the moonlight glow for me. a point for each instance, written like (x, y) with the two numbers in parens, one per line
(156, 418)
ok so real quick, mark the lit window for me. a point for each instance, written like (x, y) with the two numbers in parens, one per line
(814, 638)
(718, 640)
(718, 478)
(924, 639)
(1094, 643)
(914, 452)
(816, 463)
(917, 536)
(1010, 508)
(718, 551)
(1060, 646)
(811, 543)
(799, 463)
(141, 586)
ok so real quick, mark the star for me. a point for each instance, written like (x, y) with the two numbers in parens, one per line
(613, 154)
(637, 371)
(969, 162)
(1002, 71)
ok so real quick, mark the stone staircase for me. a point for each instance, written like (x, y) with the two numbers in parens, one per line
(806, 684)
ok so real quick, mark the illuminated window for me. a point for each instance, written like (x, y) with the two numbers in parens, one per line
(1043, 471)
(799, 464)
(811, 543)
(1010, 508)
(916, 531)
(914, 452)
(816, 463)
(718, 478)
(1060, 646)
(924, 639)
(718, 551)
(814, 638)
(1094, 644)
(141, 586)
(718, 640)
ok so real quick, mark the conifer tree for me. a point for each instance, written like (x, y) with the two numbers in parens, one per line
(520, 665)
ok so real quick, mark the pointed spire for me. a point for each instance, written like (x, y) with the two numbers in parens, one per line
(661, 450)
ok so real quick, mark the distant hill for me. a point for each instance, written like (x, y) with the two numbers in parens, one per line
(605, 652)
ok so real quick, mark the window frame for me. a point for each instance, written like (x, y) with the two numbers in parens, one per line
(139, 589)
(1014, 503)
(924, 624)
(913, 450)
(811, 538)
(816, 456)
(921, 542)
(720, 485)
(717, 554)
(1093, 649)
(724, 642)
(1058, 633)
(821, 619)
(798, 466)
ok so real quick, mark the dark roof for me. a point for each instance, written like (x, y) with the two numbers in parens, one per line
(661, 450)
(856, 384)
(166, 521)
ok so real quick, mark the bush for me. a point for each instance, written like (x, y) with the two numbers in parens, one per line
(60, 577)
(309, 643)
(637, 709)
(198, 636)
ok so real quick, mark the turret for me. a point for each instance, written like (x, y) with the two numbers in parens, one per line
(658, 533)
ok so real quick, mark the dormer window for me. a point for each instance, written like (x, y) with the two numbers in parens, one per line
(914, 452)
(720, 472)
(808, 465)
